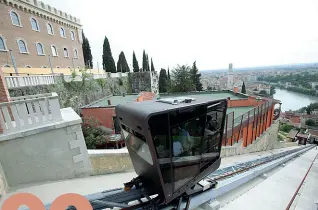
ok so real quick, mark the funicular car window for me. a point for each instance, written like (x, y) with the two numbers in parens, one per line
(137, 143)
(186, 150)
(159, 128)
(212, 134)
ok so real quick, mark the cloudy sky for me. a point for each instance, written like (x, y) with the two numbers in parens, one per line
(212, 32)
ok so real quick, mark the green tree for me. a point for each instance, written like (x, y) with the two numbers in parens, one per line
(285, 128)
(88, 58)
(263, 92)
(122, 65)
(135, 63)
(195, 76)
(272, 90)
(316, 87)
(148, 67)
(310, 122)
(153, 68)
(108, 60)
(182, 79)
(144, 61)
(169, 74)
(243, 88)
(163, 81)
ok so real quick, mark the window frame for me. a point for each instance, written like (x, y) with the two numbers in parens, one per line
(4, 44)
(6, 66)
(49, 24)
(68, 55)
(18, 16)
(72, 37)
(44, 67)
(56, 51)
(75, 49)
(62, 28)
(58, 67)
(37, 24)
(26, 46)
(36, 46)
(28, 66)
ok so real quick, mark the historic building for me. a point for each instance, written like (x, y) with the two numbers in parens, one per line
(38, 36)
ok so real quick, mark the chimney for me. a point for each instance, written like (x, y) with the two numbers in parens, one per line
(235, 90)
(109, 102)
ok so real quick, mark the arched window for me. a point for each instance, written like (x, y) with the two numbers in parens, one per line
(62, 32)
(72, 35)
(49, 29)
(34, 24)
(75, 53)
(15, 18)
(65, 53)
(44, 67)
(22, 46)
(6, 66)
(28, 66)
(57, 67)
(40, 49)
(54, 51)
(2, 45)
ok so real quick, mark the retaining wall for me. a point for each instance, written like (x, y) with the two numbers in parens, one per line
(45, 153)
(113, 161)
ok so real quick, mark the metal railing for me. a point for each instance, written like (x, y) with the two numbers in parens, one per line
(29, 111)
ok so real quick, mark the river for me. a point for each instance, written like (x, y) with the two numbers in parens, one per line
(292, 100)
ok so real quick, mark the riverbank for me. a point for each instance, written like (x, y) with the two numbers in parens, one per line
(293, 100)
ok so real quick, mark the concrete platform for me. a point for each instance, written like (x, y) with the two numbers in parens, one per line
(277, 190)
(47, 192)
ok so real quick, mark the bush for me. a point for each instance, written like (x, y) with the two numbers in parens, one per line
(285, 128)
(93, 135)
(310, 122)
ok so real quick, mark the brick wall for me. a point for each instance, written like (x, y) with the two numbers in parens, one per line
(11, 33)
(103, 114)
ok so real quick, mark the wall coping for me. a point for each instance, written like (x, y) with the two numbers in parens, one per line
(107, 152)
(69, 117)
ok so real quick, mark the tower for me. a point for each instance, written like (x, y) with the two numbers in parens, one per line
(230, 77)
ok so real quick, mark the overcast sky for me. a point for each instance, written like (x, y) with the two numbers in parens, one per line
(214, 33)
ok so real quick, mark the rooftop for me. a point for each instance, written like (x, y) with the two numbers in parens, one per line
(202, 96)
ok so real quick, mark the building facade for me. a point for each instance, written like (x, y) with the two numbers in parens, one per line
(230, 77)
(39, 36)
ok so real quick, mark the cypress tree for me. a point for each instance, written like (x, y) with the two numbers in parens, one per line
(243, 88)
(148, 67)
(122, 65)
(153, 68)
(163, 81)
(195, 76)
(144, 61)
(108, 60)
(135, 63)
(88, 58)
(168, 74)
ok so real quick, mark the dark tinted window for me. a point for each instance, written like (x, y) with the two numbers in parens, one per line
(187, 142)
(182, 115)
(138, 144)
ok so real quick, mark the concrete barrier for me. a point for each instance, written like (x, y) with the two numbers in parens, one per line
(49, 152)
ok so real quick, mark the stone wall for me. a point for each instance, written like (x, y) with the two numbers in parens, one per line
(140, 81)
(45, 153)
(3, 183)
(77, 94)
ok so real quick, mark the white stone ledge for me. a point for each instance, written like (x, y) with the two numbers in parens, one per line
(107, 152)
(69, 117)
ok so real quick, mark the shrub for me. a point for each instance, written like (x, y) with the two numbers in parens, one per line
(286, 128)
(93, 135)
(310, 122)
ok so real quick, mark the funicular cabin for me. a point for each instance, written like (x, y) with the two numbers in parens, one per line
(173, 142)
